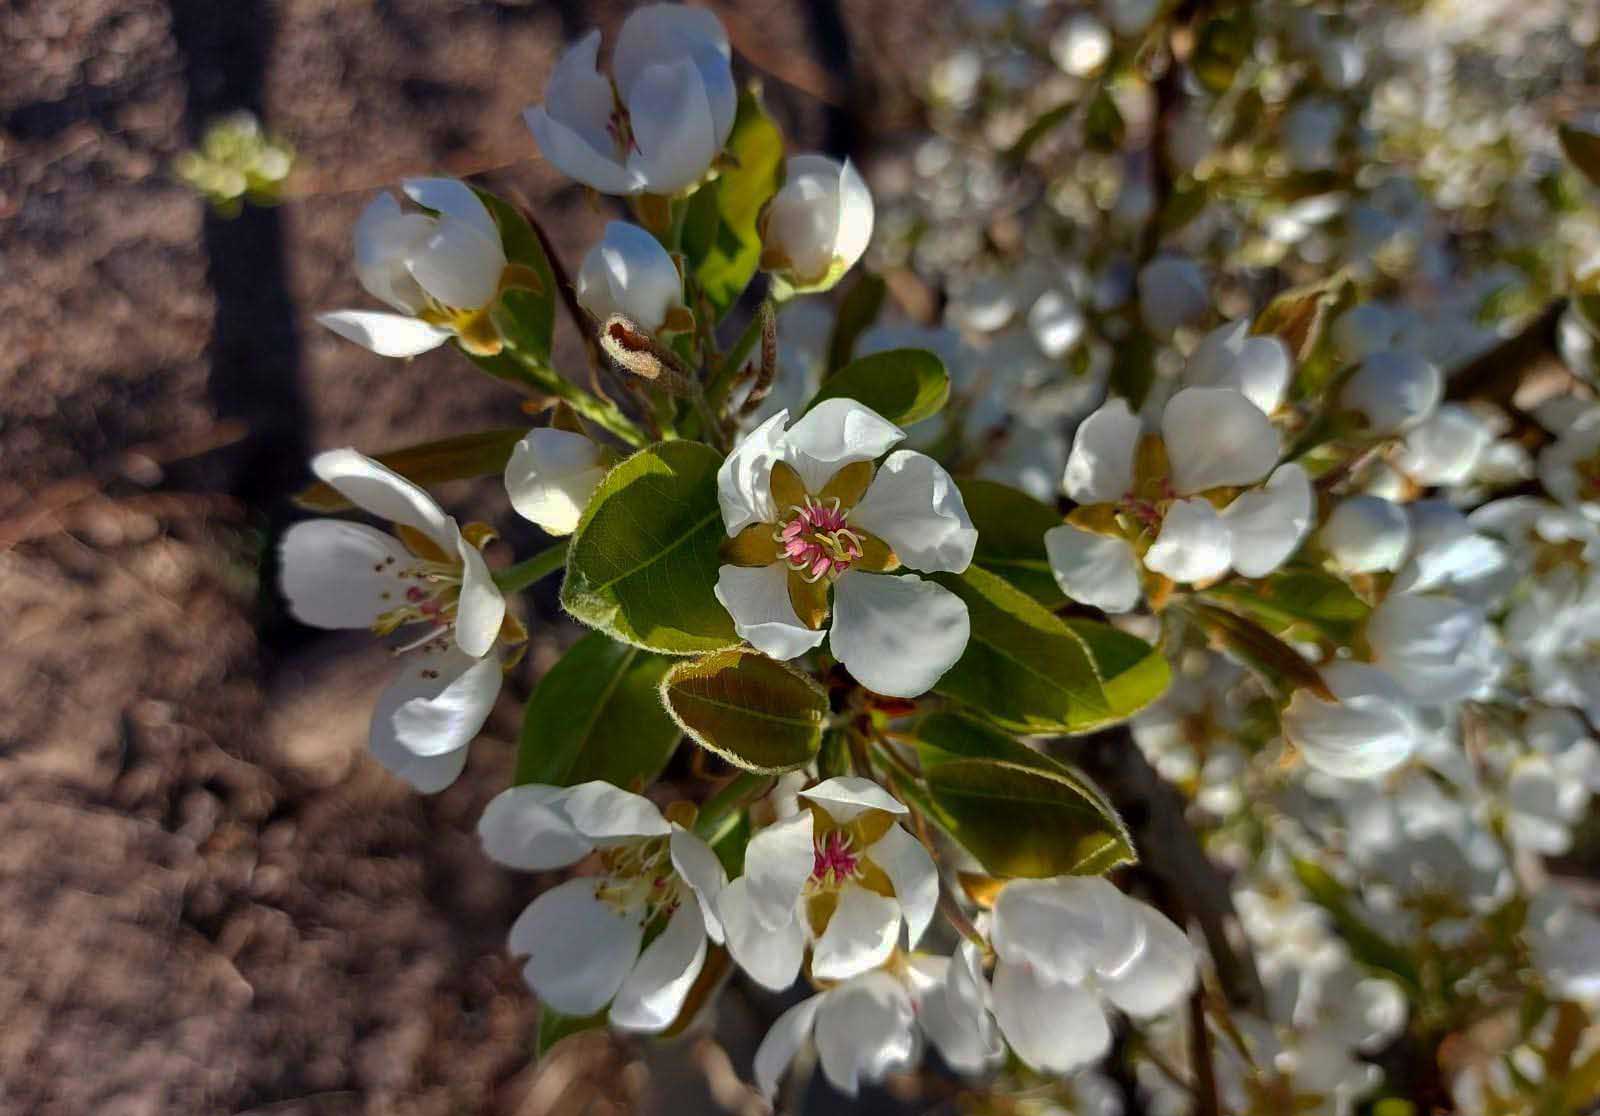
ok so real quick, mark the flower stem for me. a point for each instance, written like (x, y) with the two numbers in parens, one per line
(733, 360)
(515, 578)
(722, 809)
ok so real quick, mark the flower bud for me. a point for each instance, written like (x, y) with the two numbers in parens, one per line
(1366, 534)
(818, 225)
(551, 475)
(629, 273)
(1393, 391)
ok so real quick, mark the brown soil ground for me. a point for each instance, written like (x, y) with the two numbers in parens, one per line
(211, 900)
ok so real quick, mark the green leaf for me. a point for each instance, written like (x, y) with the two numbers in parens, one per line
(1279, 665)
(643, 562)
(755, 712)
(1103, 126)
(553, 1027)
(902, 385)
(1299, 317)
(942, 737)
(1028, 819)
(719, 232)
(1023, 667)
(1299, 601)
(1011, 527)
(466, 455)
(1224, 44)
(857, 312)
(596, 715)
(1582, 148)
(1132, 673)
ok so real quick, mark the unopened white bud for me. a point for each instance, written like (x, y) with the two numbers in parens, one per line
(818, 225)
(629, 273)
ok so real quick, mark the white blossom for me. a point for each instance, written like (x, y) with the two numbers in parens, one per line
(628, 272)
(1369, 728)
(806, 510)
(1393, 391)
(551, 475)
(427, 578)
(661, 118)
(817, 226)
(585, 939)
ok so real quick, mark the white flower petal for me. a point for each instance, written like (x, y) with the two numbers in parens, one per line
(1433, 646)
(1066, 927)
(1269, 523)
(770, 956)
(897, 634)
(1445, 447)
(693, 860)
(337, 574)
(628, 272)
(1215, 437)
(574, 156)
(482, 607)
(1172, 292)
(1194, 544)
(1393, 390)
(777, 864)
(380, 491)
(674, 134)
(1093, 569)
(801, 222)
(571, 126)
(436, 705)
(860, 935)
(955, 1015)
(744, 480)
(454, 199)
(653, 993)
(1100, 466)
(385, 237)
(782, 1042)
(390, 335)
(847, 797)
(666, 32)
(459, 266)
(1054, 1027)
(524, 827)
(1229, 357)
(915, 878)
(603, 812)
(833, 434)
(865, 1031)
(916, 508)
(758, 600)
(855, 216)
(1366, 534)
(551, 476)
(579, 948)
(1162, 973)
(1369, 730)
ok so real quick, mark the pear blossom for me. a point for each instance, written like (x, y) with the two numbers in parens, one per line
(1367, 534)
(658, 122)
(806, 510)
(1259, 366)
(1447, 554)
(585, 939)
(1569, 468)
(628, 272)
(817, 226)
(841, 874)
(1369, 728)
(1066, 949)
(1446, 447)
(551, 475)
(877, 1022)
(427, 577)
(1438, 648)
(1393, 391)
(442, 272)
(1564, 940)
(1159, 494)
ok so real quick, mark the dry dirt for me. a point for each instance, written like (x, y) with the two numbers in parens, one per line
(211, 900)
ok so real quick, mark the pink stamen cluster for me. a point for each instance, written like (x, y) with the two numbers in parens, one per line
(832, 860)
(817, 542)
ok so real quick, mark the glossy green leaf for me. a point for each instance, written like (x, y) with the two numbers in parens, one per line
(1582, 148)
(1011, 527)
(448, 459)
(902, 385)
(945, 736)
(596, 715)
(643, 562)
(719, 232)
(755, 712)
(1298, 602)
(1028, 819)
(1274, 661)
(857, 311)
(553, 1027)
(1132, 673)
